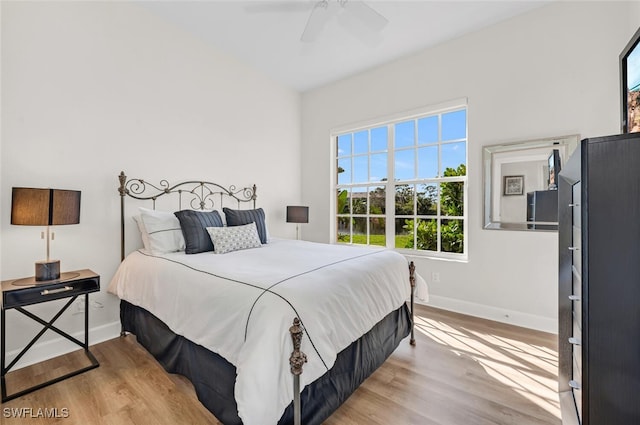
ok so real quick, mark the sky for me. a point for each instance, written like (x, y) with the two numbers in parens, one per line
(412, 138)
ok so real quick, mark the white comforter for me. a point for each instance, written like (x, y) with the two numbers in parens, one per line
(241, 305)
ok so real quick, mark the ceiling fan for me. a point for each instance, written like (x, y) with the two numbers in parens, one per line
(355, 16)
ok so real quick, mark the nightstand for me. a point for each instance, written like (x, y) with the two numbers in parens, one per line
(18, 293)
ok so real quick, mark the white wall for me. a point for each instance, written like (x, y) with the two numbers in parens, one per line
(634, 16)
(551, 72)
(93, 88)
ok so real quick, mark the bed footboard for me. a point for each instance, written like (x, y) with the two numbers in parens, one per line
(298, 358)
(412, 282)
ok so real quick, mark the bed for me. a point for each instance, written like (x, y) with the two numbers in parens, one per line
(252, 327)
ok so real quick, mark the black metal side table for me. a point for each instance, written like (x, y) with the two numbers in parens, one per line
(18, 293)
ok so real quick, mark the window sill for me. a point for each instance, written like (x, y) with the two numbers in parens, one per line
(456, 258)
(410, 253)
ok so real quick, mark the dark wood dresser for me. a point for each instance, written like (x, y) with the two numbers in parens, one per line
(542, 205)
(599, 282)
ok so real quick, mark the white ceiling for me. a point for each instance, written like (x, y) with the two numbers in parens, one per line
(266, 34)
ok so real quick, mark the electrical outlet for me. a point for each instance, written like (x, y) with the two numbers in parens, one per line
(79, 304)
(96, 304)
(435, 277)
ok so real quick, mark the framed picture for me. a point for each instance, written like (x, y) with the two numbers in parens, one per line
(513, 185)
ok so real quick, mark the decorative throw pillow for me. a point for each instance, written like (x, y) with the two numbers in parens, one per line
(227, 239)
(194, 228)
(241, 217)
(163, 231)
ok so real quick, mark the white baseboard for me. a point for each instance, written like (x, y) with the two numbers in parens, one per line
(526, 320)
(59, 346)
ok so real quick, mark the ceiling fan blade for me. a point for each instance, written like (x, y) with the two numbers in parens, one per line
(362, 22)
(317, 20)
(366, 14)
(278, 6)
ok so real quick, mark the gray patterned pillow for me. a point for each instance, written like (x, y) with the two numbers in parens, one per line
(234, 238)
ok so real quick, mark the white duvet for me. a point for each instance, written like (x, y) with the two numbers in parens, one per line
(241, 305)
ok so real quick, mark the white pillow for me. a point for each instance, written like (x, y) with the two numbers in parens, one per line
(163, 231)
(143, 232)
(234, 238)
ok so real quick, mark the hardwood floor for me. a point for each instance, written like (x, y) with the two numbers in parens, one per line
(463, 371)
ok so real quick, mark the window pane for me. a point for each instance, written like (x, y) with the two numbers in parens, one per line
(344, 145)
(427, 235)
(428, 213)
(454, 125)
(428, 162)
(343, 202)
(452, 236)
(454, 159)
(359, 200)
(405, 165)
(360, 169)
(344, 170)
(378, 170)
(359, 230)
(405, 134)
(377, 231)
(452, 199)
(404, 199)
(427, 195)
(344, 231)
(428, 130)
(361, 142)
(404, 233)
(379, 138)
(377, 200)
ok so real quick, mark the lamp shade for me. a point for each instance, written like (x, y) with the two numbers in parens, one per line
(297, 214)
(44, 207)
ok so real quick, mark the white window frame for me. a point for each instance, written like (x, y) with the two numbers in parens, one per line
(390, 185)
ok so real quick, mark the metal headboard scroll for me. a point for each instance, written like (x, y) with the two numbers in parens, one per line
(200, 195)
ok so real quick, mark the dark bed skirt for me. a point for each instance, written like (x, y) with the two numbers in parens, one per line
(214, 378)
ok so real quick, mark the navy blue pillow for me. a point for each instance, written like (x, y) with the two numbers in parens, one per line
(241, 217)
(194, 228)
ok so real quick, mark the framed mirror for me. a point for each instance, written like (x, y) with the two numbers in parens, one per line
(520, 191)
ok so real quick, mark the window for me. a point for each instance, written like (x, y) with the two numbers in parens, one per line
(402, 183)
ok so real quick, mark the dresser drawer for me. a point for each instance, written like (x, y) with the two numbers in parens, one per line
(576, 283)
(576, 248)
(576, 314)
(577, 322)
(22, 296)
(577, 396)
(576, 334)
(576, 353)
(577, 386)
(577, 363)
(576, 201)
(576, 278)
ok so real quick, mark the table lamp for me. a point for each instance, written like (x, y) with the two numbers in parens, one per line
(45, 207)
(297, 214)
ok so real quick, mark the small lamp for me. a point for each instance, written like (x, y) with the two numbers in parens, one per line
(45, 207)
(297, 214)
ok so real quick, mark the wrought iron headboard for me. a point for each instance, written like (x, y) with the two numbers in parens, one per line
(200, 195)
